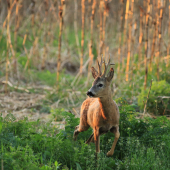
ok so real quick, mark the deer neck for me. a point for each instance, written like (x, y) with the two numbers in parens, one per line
(106, 104)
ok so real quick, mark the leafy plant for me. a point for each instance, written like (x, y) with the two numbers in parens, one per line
(143, 144)
(158, 101)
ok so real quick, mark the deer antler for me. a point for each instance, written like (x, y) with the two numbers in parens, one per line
(106, 67)
(99, 66)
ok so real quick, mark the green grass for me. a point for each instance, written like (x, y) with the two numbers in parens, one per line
(19, 42)
(143, 144)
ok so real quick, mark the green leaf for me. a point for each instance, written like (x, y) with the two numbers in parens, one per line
(0, 126)
(78, 166)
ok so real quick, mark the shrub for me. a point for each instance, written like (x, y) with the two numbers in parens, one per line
(143, 144)
(157, 102)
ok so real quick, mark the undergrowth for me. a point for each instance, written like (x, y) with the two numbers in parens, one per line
(143, 144)
(159, 100)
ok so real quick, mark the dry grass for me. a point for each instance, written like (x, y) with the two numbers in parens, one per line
(41, 32)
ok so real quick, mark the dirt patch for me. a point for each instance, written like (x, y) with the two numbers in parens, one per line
(20, 104)
(23, 105)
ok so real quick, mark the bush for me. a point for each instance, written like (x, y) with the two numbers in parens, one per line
(158, 101)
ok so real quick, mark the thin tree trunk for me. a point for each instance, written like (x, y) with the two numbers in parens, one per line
(153, 46)
(160, 36)
(15, 34)
(129, 43)
(61, 11)
(140, 39)
(82, 37)
(168, 47)
(75, 28)
(45, 35)
(33, 16)
(91, 39)
(154, 37)
(101, 28)
(125, 32)
(133, 32)
(146, 43)
(120, 35)
(104, 26)
(88, 15)
(7, 56)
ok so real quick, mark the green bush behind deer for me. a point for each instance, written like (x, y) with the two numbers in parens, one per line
(159, 98)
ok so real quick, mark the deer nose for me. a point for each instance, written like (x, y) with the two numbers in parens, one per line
(90, 94)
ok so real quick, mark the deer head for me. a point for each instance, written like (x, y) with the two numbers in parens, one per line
(101, 84)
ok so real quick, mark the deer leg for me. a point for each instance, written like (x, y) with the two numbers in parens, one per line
(79, 129)
(114, 130)
(91, 138)
(97, 139)
(98, 144)
(76, 132)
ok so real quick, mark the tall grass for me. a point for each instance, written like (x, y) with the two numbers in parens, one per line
(43, 26)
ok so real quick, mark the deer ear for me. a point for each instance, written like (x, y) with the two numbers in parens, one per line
(94, 72)
(110, 75)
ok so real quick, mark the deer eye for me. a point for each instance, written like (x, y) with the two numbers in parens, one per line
(100, 85)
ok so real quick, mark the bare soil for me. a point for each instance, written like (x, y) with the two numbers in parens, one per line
(23, 105)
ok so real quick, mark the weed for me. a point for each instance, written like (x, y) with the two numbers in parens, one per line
(143, 144)
(157, 101)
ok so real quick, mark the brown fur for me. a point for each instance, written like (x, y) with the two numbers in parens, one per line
(100, 112)
(101, 108)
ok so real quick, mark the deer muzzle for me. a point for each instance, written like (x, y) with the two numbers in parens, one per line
(90, 94)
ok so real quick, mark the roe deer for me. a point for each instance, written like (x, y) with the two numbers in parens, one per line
(99, 110)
